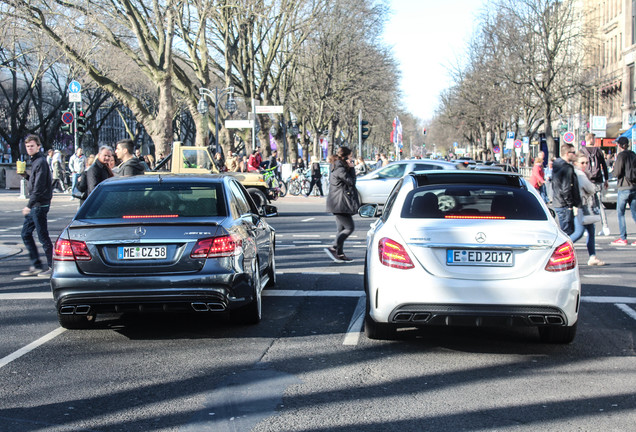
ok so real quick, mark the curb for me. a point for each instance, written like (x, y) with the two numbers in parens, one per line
(7, 251)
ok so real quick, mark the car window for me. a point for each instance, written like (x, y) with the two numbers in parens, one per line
(461, 201)
(392, 171)
(388, 207)
(238, 204)
(115, 201)
(422, 166)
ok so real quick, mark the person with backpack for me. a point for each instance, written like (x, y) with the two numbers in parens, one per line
(625, 173)
(597, 168)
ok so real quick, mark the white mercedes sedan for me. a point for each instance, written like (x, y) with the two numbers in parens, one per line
(495, 258)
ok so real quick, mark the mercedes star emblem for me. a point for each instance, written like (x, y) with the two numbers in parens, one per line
(480, 237)
(140, 231)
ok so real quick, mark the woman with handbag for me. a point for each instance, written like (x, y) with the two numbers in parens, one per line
(342, 201)
(589, 212)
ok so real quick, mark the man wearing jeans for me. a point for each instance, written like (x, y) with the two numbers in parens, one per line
(565, 188)
(36, 211)
(624, 169)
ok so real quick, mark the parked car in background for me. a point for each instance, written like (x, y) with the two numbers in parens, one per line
(498, 259)
(609, 195)
(164, 243)
(374, 188)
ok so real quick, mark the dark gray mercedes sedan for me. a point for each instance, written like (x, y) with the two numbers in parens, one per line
(164, 243)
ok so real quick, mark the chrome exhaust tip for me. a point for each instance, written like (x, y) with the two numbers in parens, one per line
(67, 310)
(216, 307)
(82, 310)
(403, 317)
(536, 319)
(554, 319)
(421, 317)
(199, 307)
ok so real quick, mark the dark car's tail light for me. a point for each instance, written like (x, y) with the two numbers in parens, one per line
(562, 259)
(216, 247)
(393, 254)
(71, 250)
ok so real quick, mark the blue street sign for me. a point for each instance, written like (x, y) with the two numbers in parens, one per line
(511, 135)
(74, 87)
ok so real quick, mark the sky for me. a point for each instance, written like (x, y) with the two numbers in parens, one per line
(428, 36)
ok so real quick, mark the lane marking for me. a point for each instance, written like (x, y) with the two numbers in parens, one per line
(355, 325)
(308, 219)
(596, 299)
(602, 276)
(30, 347)
(27, 296)
(306, 235)
(306, 293)
(629, 311)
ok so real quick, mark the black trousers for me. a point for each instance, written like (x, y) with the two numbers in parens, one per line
(344, 226)
(318, 182)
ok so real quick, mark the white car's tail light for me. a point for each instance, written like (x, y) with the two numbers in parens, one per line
(562, 259)
(393, 254)
(71, 250)
(216, 247)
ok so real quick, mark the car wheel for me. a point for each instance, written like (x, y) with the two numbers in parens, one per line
(271, 269)
(251, 313)
(557, 335)
(258, 196)
(76, 322)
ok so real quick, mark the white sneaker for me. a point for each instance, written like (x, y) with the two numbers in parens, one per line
(46, 273)
(593, 261)
(32, 271)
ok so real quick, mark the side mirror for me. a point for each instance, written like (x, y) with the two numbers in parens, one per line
(268, 211)
(368, 211)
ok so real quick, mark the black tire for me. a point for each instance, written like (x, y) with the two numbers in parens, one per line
(76, 322)
(251, 313)
(294, 188)
(282, 187)
(557, 335)
(304, 189)
(258, 196)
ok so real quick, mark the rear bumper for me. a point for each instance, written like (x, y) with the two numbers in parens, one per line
(116, 294)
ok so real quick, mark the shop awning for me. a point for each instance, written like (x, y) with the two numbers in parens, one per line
(628, 133)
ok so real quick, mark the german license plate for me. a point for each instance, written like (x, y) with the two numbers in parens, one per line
(141, 252)
(469, 257)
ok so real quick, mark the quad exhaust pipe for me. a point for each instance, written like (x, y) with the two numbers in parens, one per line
(545, 319)
(205, 307)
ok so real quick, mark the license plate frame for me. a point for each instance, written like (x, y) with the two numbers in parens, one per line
(142, 253)
(480, 257)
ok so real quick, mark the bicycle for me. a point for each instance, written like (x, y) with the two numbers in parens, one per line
(299, 183)
(272, 181)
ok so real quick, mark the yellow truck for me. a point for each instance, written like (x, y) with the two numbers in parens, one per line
(198, 160)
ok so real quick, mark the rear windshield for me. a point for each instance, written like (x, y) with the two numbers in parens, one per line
(472, 202)
(172, 200)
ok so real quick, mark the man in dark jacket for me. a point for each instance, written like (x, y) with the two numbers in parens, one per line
(565, 188)
(130, 164)
(36, 211)
(624, 171)
(100, 170)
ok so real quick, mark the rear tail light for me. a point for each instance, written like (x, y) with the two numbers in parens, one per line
(393, 254)
(71, 250)
(562, 259)
(216, 247)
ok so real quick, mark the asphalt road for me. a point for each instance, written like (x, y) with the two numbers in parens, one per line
(307, 367)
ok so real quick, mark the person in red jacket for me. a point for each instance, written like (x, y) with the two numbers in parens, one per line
(255, 160)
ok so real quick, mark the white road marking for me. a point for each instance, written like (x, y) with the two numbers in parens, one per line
(355, 325)
(306, 235)
(307, 220)
(27, 296)
(306, 241)
(602, 276)
(593, 299)
(306, 293)
(629, 311)
(30, 347)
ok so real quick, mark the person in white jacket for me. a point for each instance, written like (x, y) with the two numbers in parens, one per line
(587, 190)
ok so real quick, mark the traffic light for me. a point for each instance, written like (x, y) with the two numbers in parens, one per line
(364, 131)
(81, 123)
(424, 131)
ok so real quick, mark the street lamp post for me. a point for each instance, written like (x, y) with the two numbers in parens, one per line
(230, 106)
